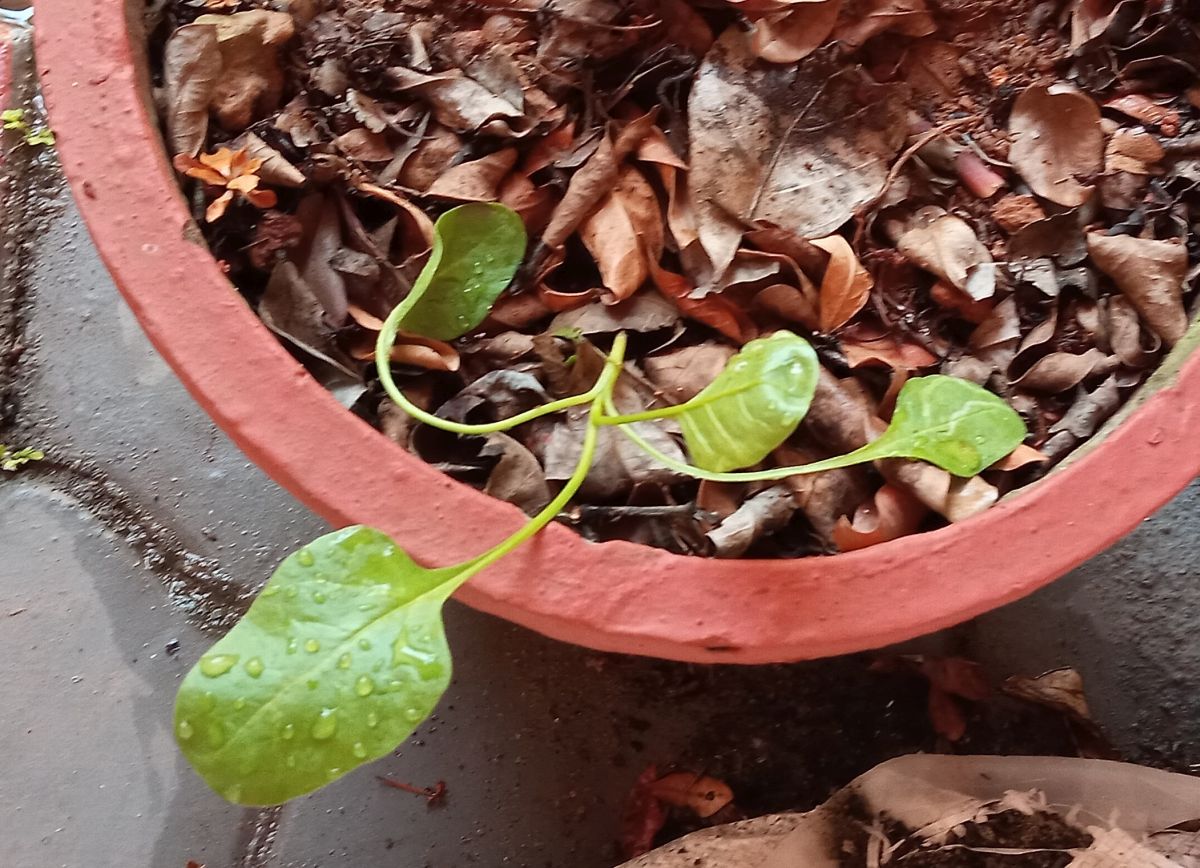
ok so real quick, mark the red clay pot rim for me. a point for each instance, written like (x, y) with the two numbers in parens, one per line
(613, 596)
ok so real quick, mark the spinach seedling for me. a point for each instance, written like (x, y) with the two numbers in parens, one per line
(343, 652)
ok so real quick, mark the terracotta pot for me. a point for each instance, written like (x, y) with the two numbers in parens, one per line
(613, 596)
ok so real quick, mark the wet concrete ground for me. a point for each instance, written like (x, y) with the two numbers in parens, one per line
(123, 554)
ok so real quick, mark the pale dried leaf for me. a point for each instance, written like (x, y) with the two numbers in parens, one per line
(191, 67)
(1058, 145)
(1150, 273)
(945, 245)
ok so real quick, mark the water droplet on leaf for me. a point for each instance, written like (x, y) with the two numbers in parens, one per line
(305, 558)
(326, 724)
(254, 667)
(364, 686)
(344, 662)
(312, 646)
(184, 731)
(217, 665)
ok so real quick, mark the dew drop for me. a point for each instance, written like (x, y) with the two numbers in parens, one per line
(364, 686)
(217, 665)
(358, 750)
(334, 772)
(318, 598)
(312, 646)
(269, 591)
(412, 715)
(364, 644)
(372, 719)
(292, 646)
(344, 662)
(208, 701)
(288, 732)
(305, 558)
(184, 730)
(291, 593)
(325, 725)
(239, 704)
(254, 667)
(312, 684)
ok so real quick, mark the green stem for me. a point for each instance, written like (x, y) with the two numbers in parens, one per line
(383, 356)
(603, 389)
(858, 456)
(673, 410)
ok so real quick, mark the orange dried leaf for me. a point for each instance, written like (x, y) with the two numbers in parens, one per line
(702, 794)
(846, 285)
(1020, 457)
(891, 514)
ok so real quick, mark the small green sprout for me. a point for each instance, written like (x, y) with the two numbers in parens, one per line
(17, 119)
(14, 460)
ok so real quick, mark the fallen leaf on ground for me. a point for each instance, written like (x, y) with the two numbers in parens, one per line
(1150, 274)
(800, 146)
(644, 312)
(681, 374)
(890, 514)
(846, 285)
(946, 245)
(251, 79)
(862, 19)
(191, 67)
(517, 476)
(460, 102)
(794, 34)
(1020, 457)
(701, 794)
(764, 513)
(714, 311)
(872, 345)
(625, 234)
(1057, 372)
(1058, 145)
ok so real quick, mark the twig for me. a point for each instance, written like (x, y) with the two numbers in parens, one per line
(434, 795)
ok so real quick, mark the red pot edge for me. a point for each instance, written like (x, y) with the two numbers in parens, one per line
(613, 596)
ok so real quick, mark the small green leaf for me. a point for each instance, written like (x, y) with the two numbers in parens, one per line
(336, 662)
(477, 249)
(41, 136)
(753, 405)
(12, 461)
(953, 423)
(12, 118)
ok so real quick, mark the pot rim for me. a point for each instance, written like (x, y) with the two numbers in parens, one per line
(612, 596)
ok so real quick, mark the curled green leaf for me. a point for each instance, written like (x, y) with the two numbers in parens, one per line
(477, 249)
(955, 424)
(753, 405)
(341, 656)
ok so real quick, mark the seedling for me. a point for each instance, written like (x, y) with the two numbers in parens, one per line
(13, 460)
(17, 119)
(343, 654)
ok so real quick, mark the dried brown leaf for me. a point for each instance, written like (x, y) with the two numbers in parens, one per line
(701, 794)
(681, 374)
(1058, 145)
(1058, 372)
(762, 514)
(625, 235)
(251, 80)
(890, 514)
(800, 146)
(862, 19)
(517, 477)
(1150, 273)
(792, 35)
(475, 181)
(846, 285)
(191, 67)
(945, 245)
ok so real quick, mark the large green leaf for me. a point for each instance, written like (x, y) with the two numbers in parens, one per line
(753, 405)
(336, 662)
(955, 424)
(477, 249)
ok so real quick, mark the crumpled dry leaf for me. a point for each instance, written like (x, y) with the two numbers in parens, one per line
(823, 497)
(946, 245)
(645, 312)
(890, 514)
(642, 816)
(365, 146)
(862, 19)
(1090, 19)
(291, 309)
(191, 67)
(1088, 412)
(476, 180)
(1150, 273)
(702, 794)
(251, 80)
(275, 168)
(846, 285)
(595, 179)
(869, 344)
(1020, 457)
(682, 374)
(517, 477)
(794, 34)
(760, 515)
(462, 103)
(1058, 145)
(798, 146)
(1060, 371)
(625, 235)
(713, 310)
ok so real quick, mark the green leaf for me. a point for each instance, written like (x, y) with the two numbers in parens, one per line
(477, 249)
(341, 656)
(753, 405)
(14, 460)
(955, 424)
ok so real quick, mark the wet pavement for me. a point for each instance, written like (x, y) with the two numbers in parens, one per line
(124, 553)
